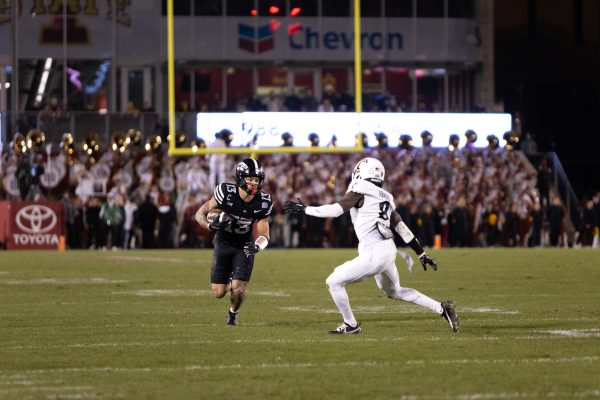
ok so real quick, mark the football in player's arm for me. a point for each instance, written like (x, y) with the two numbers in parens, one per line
(242, 204)
(373, 216)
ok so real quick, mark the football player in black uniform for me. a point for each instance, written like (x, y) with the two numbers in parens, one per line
(241, 204)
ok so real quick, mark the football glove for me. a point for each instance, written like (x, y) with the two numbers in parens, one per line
(250, 249)
(220, 223)
(292, 207)
(425, 259)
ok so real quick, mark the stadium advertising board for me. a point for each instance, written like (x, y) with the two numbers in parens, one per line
(140, 25)
(31, 225)
(266, 128)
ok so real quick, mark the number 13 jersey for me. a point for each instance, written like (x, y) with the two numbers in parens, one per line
(243, 213)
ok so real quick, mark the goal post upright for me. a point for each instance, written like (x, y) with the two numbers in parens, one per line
(173, 150)
(171, 74)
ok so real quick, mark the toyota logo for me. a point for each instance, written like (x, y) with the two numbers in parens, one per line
(35, 218)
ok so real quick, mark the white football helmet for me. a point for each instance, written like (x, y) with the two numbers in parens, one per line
(369, 169)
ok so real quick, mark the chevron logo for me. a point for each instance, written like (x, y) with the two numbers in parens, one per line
(255, 40)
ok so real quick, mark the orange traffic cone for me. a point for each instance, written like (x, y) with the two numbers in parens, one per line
(61, 243)
(437, 242)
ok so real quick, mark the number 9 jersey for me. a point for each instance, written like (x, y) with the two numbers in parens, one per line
(243, 213)
(373, 216)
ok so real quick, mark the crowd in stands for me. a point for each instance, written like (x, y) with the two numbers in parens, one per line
(330, 101)
(459, 197)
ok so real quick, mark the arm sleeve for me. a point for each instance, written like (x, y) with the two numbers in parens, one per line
(325, 211)
(409, 238)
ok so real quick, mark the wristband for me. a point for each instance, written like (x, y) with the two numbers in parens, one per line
(261, 242)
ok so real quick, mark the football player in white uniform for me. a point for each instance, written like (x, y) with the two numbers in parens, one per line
(373, 215)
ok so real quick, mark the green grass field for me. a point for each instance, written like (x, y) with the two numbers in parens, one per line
(144, 325)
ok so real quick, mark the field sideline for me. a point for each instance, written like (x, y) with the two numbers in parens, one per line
(144, 325)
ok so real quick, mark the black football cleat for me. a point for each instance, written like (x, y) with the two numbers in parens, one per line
(232, 319)
(449, 314)
(345, 329)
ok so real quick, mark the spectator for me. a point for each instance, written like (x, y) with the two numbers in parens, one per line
(529, 145)
(510, 226)
(69, 211)
(192, 234)
(166, 219)
(272, 102)
(131, 109)
(428, 218)
(148, 215)
(555, 216)
(217, 162)
(459, 223)
(489, 222)
(23, 175)
(292, 102)
(309, 101)
(111, 216)
(129, 220)
(587, 225)
(95, 231)
(544, 175)
(147, 107)
(536, 216)
(325, 106)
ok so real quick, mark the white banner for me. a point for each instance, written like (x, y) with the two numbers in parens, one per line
(267, 127)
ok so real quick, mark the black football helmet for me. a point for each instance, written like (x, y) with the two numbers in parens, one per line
(249, 167)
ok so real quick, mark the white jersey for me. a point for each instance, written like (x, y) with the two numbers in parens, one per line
(377, 207)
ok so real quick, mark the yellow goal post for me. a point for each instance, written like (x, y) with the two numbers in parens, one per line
(190, 151)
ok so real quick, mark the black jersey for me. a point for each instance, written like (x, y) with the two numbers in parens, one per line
(243, 213)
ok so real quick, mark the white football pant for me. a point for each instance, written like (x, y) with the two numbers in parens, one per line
(378, 260)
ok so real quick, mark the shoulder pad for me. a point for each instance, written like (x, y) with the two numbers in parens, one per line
(266, 204)
(265, 196)
(221, 191)
(359, 186)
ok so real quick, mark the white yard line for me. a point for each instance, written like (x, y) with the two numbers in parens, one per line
(62, 281)
(373, 364)
(575, 333)
(186, 292)
(403, 309)
(157, 259)
(269, 341)
(489, 310)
